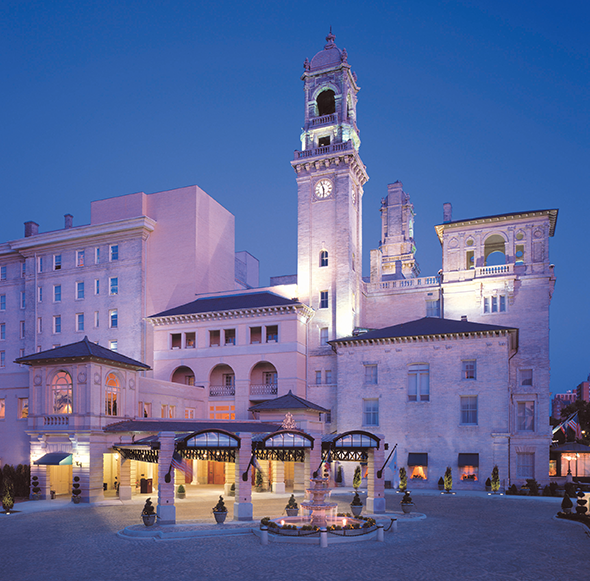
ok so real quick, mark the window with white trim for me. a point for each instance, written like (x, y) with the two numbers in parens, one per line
(370, 412)
(114, 252)
(324, 302)
(494, 304)
(525, 416)
(328, 375)
(39, 294)
(57, 262)
(113, 319)
(324, 336)
(80, 290)
(40, 264)
(525, 464)
(114, 285)
(468, 369)
(97, 255)
(96, 319)
(96, 286)
(79, 321)
(61, 393)
(370, 373)
(189, 414)
(323, 258)
(2, 359)
(22, 329)
(39, 325)
(57, 324)
(318, 377)
(57, 293)
(468, 410)
(23, 408)
(2, 331)
(23, 300)
(2, 273)
(2, 302)
(419, 382)
(79, 257)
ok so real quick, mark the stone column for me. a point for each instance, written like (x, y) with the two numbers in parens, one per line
(166, 508)
(92, 478)
(124, 478)
(278, 477)
(243, 509)
(300, 483)
(376, 486)
(230, 477)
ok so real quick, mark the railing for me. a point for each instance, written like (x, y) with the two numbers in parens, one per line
(332, 118)
(490, 270)
(264, 389)
(56, 421)
(404, 283)
(323, 150)
(222, 390)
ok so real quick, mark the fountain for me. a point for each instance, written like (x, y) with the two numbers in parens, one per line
(317, 507)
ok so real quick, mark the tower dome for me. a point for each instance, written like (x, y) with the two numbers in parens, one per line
(331, 56)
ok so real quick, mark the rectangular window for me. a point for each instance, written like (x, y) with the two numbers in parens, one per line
(469, 260)
(502, 303)
(494, 304)
(57, 324)
(419, 382)
(114, 252)
(164, 411)
(2, 302)
(190, 340)
(39, 325)
(469, 410)
(57, 262)
(486, 304)
(323, 336)
(2, 408)
(433, 309)
(230, 336)
(40, 294)
(97, 255)
(111, 401)
(519, 258)
(270, 378)
(255, 335)
(175, 340)
(2, 331)
(21, 352)
(525, 465)
(172, 412)
(57, 293)
(229, 379)
(2, 359)
(39, 349)
(23, 300)
(328, 375)
(23, 408)
(22, 329)
(2, 273)
(526, 377)
(79, 257)
(525, 416)
(114, 285)
(96, 286)
(80, 322)
(323, 299)
(40, 264)
(113, 345)
(79, 290)
(370, 412)
(189, 414)
(145, 410)
(468, 369)
(23, 270)
(370, 373)
(272, 333)
(214, 338)
(113, 319)
(96, 320)
(318, 377)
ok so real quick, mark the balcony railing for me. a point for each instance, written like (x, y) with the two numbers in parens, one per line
(222, 390)
(56, 421)
(492, 270)
(325, 120)
(404, 283)
(264, 389)
(335, 147)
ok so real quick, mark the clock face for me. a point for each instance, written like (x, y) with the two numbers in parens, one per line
(323, 189)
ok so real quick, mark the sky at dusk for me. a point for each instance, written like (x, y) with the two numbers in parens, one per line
(481, 104)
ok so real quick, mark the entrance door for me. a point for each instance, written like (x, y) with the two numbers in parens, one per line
(216, 473)
(60, 478)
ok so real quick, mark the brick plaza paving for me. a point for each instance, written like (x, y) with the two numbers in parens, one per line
(465, 536)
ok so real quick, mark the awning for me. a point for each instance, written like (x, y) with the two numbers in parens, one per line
(468, 460)
(417, 459)
(55, 459)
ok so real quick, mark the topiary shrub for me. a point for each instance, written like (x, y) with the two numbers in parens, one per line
(566, 503)
(512, 490)
(220, 506)
(495, 479)
(357, 478)
(547, 491)
(533, 486)
(553, 486)
(581, 509)
(448, 479)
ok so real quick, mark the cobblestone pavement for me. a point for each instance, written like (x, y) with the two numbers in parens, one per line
(465, 536)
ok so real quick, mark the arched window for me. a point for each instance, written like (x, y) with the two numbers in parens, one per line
(324, 258)
(61, 393)
(111, 395)
(326, 103)
(494, 250)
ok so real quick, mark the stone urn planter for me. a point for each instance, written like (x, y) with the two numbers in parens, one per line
(292, 508)
(356, 506)
(406, 503)
(220, 511)
(148, 514)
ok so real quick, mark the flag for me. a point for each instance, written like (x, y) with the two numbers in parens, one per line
(180, 464)
(575, 425)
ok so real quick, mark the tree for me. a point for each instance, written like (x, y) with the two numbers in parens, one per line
(403, 479)
(495, 479)
(448, 479)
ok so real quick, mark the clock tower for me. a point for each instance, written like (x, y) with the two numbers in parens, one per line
(330, 179)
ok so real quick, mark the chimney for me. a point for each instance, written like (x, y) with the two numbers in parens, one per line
(31, 228)
(447, 212)
(69, 221)
(464, 318)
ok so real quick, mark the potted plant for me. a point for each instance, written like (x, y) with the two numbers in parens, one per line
(258, 482)
(441, 483)
(36, 488)
(403, 479)
(76, 492)
(406, 503)
(338, 479)
(220, 511)
(488, 485)
(581, 509)
(148, 514)
(566, 504)
(448, 480)
(181, 493)
(292, 507)
(356, 506)
(495, 482)
(357, 478)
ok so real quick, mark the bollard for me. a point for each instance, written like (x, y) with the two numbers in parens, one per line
(380, 533)
(264, 535)
(323, 537)
(394, 525)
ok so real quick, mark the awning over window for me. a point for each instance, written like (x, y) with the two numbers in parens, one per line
(54, 459)
(468, 460)
(417, 459)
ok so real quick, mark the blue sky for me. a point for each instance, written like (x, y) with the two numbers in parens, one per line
(482, 104)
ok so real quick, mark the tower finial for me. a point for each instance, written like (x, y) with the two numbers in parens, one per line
(330, 39)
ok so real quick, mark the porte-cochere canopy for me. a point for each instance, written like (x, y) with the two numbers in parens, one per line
(353, 445)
